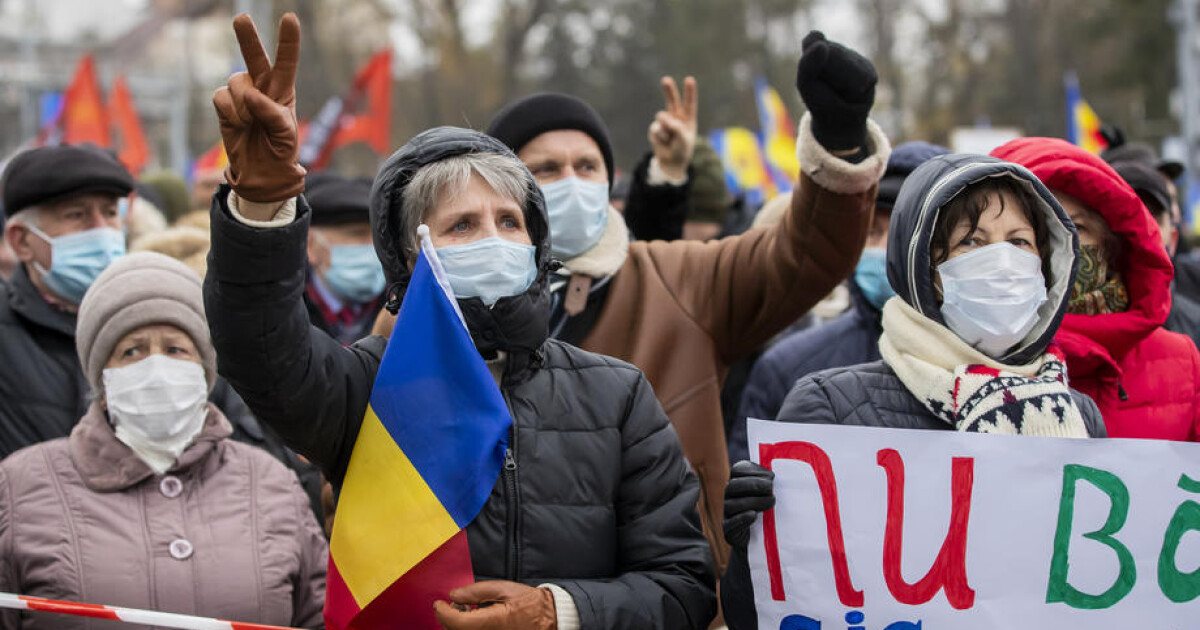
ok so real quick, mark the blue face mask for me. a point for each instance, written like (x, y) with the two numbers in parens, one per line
(489, 269)
(871, 276)
(355, 272)
(578, 213)
(76, 259)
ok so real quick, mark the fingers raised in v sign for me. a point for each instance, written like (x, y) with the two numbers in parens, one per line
(276, 82)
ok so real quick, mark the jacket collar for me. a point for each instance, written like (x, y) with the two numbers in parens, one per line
(26, 301)
(106, 464)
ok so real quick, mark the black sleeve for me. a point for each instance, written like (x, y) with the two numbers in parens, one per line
(656, 213)
(666, 578)
(301, 382)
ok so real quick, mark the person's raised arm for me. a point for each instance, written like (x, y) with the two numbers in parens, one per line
(295, 378)
(657, 206)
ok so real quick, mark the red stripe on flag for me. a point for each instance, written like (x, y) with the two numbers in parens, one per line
(340, 607)
(71, 608)
(410, 599)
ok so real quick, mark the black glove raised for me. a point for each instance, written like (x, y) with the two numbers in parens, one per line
(838, 87)
(749, 493)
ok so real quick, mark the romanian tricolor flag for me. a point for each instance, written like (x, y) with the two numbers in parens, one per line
(746, 171)
(1083, 125)
(425, 460)
(778, 137)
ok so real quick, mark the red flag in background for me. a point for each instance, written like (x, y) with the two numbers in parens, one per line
(364, 115)
(83, 117)
(135, 152)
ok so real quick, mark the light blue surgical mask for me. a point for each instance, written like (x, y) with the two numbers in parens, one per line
(489, 269)
(578, 212)
(76, 259)
(355, 272)
(871, 276)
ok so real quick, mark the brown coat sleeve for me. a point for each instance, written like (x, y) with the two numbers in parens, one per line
(744, 289)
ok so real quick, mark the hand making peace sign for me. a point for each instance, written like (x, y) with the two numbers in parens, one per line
(257, 112)
(673, 132)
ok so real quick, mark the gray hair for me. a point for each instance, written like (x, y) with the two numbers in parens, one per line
(444, 180)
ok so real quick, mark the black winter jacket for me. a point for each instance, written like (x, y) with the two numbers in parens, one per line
(596, 498)
(43, 392)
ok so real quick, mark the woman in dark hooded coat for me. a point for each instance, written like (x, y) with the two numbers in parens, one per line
(982, 258)
(592, 522)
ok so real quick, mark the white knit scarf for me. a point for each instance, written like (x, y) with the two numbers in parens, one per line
(970, 390)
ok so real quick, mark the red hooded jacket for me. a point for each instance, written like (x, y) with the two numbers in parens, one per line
(1144, 379)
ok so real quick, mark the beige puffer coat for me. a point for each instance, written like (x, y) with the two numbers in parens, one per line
(227, 532)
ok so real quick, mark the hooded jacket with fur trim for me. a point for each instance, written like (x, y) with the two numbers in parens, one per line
(598, 501)
(1145, 380)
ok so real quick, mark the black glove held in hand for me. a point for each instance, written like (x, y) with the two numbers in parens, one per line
(838, 87)
(750, 492)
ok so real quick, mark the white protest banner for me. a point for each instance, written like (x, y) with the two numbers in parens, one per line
(889, 529)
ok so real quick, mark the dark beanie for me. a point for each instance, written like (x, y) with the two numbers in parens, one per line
(904, 159)
(49, 174)
(523, 120)
(337, 200)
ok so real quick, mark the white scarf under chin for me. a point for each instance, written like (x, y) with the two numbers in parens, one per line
(608, 255)
(970, 390)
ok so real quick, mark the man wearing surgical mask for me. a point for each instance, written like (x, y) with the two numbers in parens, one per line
(684, 311)
(64, 224)
(345, 279)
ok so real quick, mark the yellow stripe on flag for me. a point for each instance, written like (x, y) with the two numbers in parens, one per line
(388, 519)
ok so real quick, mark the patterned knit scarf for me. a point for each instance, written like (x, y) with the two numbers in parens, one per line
(1094, 293)
(971, 391)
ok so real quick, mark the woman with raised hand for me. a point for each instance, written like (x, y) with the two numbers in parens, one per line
(593, 522)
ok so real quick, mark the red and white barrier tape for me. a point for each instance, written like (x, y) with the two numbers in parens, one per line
(130, 615)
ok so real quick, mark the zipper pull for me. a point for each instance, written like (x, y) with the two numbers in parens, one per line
(510, 462)
(1121, 393)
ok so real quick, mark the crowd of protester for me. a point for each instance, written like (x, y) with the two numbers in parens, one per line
(184, 371)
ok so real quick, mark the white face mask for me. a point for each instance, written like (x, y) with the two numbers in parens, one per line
(578, 215)
(158, 406)
(991, 296)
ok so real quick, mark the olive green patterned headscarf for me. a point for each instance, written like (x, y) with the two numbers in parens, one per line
(1094, 291)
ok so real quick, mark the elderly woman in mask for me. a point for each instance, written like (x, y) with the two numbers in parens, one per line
(147, 503)
(592, 523)
(982, 259)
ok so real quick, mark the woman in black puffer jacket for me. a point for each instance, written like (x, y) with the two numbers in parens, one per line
(595, 503)
(982, 259)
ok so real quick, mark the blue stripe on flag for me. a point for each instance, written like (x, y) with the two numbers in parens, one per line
(437, 399)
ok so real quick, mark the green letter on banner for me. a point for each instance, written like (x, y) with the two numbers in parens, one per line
(1059, 590)
(1178, 586)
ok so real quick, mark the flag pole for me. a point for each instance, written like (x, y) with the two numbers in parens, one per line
(128, 615)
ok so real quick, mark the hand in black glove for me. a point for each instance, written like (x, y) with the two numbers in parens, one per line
(838, 87)
(749, 493)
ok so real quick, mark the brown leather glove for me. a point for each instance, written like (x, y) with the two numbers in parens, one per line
(257, 111)
(511, 606)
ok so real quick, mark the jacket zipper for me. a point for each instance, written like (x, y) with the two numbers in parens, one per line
(513, 500)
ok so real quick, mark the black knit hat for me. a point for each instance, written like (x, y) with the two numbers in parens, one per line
(338, 200)
(525, 119)
(48, 174)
